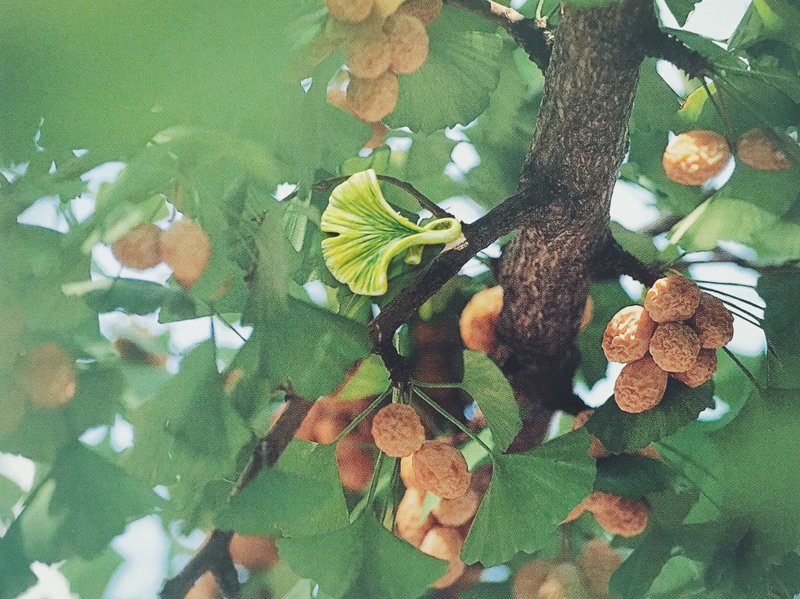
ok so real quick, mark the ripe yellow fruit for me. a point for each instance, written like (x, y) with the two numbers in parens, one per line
(253, 552)
(441, 469)
(426, 11)
(46, 374)
(457, 512)
(640, 386)
(372, 99)
(350, 11)
(758, 150)
(369, 58)
(701, 372)
(530, 577)
(409, 523)
(695, 157)
(674, 347)
(445, 543)
(479, 318)
(355, 464)
(140, 248)
(408, 41)
(627, 335)
(597, 564)
(672, 298)
(596, 449)
(617, 515)
(397, 430)
(186, 249)
(713, 322)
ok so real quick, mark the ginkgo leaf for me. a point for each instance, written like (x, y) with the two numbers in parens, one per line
(363, 559)
(369, 233)
(529, 496)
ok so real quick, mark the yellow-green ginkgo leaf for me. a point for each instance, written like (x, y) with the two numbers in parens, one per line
(368, 233)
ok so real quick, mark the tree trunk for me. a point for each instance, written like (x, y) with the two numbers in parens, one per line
(580, 141)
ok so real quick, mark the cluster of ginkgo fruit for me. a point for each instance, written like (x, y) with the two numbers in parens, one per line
(382, 39)
(676, 333)
(184, 247)
(696, 157)
(556, 578)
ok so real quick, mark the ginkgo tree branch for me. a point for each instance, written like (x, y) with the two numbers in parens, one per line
(213, 556)
(660, 44)
(530, 34)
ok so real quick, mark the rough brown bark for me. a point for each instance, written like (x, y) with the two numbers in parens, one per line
(579, 143)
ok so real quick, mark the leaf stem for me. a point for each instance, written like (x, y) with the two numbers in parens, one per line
(357, 420)
(454, 421)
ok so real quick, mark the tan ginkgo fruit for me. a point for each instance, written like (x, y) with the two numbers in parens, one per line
(255, 553)
(674, 347)
(427, 11)
(369, 57)
(479, 318)
(186, 249)
(408, 43)
(672, 298)
(597, 564)
(445, 543)
(457, 512)
(695, 157)
(47, 376)
(758, 150)
(372, 99)
(410, 525)
(712, 322)
(350, 11)
(640, 386)
(701, 371)
(530, 577)
(627, 335)
(397, 430)
(441, 469)
(140, 248)
(617, 515)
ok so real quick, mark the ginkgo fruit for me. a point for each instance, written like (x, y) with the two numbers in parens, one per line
(255, 553)
(131, 352)
(410, 525)
(445, 543)
(672, 298)
(529, 578)
(617, 515)
(695, 157)
(408, 42)
(441, 469)
(640, 386)
(479, 318)
(713, 322)
(355, 464)
(372, 99)
(758, 150)
(368, 58)
(562, 582)
(596, 449)
(205, 588)
(597, 564)
(186, 249)
(140, 248)
(427, 11)
(350, 11)
(384, 8)
(327, 428)
(627, 335)
(701, 371)
(457, 512)
(674, 347)
(407, 472)
(397, 430)
(47, 376)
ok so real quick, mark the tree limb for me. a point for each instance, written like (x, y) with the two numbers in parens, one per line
(214, 556)
(529, 34)
(613, 261)
(660, 44)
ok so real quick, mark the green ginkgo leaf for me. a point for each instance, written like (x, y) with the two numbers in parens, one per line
(369, 233)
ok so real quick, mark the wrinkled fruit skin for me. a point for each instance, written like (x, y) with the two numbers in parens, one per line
(445, 543)
(140, 248)
(756, 149)
(701, 372)
(426, 11)
(713, 322)
(350, 11)
(408, 41)
(47, 376)
(409, 524)
(596, 449)
(640, 386)
(617, 515)
(672, 298)
(597, 563)
(441, 469)
(674, 347)
(372, 99)
(186, 249)
(369, 58)
(479, 318)
(397, 430)
(695, 157)
(627, 335)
